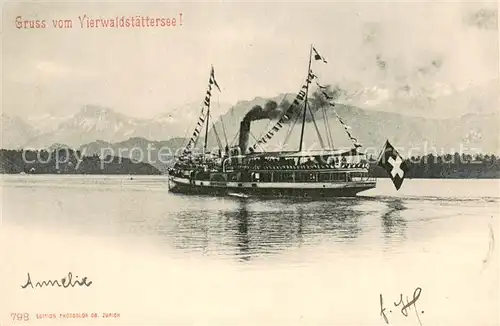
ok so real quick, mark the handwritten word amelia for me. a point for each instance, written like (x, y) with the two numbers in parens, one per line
(65, 282)
(86, 22)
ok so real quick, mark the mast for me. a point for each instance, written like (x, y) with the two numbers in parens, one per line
(208, 117)
(206, 131)
(305, 101)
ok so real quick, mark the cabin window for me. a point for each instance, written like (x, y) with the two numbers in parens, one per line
(338, 177)
(285, 177)
(265, 177)
(305, 177)
(324, 177)
(233, 177)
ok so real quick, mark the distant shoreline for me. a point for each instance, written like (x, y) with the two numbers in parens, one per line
(68, 162)
(165, 175)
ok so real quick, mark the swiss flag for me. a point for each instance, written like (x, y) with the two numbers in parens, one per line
(394, 164)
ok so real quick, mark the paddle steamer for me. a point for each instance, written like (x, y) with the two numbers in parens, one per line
(247, 171)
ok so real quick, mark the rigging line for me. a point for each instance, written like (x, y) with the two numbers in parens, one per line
(186, 136)
(220, 117)
(223, 129)
(203, 126)
(297, 115)
(234, 138)
(195, 141)
(262, 147)
(198, 136)
(316, 127)
(290, 128)
(345, 127)
(266, 129)
(305, 101)
(327, 128)
(219, 143)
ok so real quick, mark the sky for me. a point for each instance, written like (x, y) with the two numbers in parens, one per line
(407, 57)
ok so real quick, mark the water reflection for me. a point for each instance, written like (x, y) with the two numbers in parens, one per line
(243, 240)
(253, 228)
(393, 224)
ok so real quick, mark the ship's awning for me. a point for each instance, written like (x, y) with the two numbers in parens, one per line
(332, 152)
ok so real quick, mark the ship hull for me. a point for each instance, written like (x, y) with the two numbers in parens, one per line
(273, 190)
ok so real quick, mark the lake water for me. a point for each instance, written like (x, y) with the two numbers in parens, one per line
(162, 259)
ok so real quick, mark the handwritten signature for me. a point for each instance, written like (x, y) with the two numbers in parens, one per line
(65, 282)
(405, 307)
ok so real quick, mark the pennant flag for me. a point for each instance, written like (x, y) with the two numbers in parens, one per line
(317, 56)
(311, 75)
(212, 79)
(321, 86)
(278, 125)
(328, 97)
(394, 164)
(201, 120)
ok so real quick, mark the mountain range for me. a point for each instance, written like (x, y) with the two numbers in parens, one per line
(93, 123)
(469, 133)
(95, 127)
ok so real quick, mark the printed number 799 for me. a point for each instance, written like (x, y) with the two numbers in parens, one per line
(20, 316)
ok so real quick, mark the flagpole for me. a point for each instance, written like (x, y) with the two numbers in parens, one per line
(382, 151)
(305, 102)
(208, 117)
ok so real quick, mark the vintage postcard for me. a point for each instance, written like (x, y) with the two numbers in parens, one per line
(250, 163)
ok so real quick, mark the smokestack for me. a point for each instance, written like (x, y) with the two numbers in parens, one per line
(270, 111)
(244, 132)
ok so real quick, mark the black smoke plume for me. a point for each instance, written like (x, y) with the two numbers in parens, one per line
(317, 100)
(272, 111)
